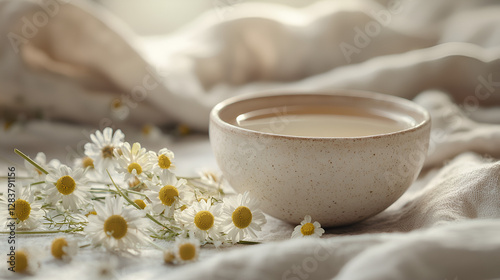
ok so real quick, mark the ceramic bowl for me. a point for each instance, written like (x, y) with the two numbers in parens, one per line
(336, 180)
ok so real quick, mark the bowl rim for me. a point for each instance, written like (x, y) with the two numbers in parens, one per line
(399, 101)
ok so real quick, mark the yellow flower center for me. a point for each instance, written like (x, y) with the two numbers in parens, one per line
(242, 217)
(87, 162)
(21, 261)
(164, 162)
(146, 129)
(7, 124)
(204, 220)
(167, 195)
(107, 152)
(187, 252)
(22, 210)
(57, 247)
(66, 185)
(307, 229)
(140, 203)
(183, 129)
(115, 226)
(116, 104)
(134, 166)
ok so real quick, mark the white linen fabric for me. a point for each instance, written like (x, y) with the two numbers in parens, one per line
(443, 54)
(85, 58)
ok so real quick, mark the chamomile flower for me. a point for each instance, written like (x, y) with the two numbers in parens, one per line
(118, 109)
(141, 203)
(103, 147)
(41, 160)
(164, 160)
(26, 211)
(307, 228)
(165, 193)
(26, 260)
(151, 132)
(84, 162)
(242, 217)
(105, 268)
(209, 177)
(64, 249)
(168, 256)
(117, 227)
(209, 185)
(134, 161)
(69, 186)
(203, 220)
(140, 199)
(186, 250)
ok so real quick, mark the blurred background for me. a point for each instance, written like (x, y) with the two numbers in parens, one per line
(69, 68)
(155, 17)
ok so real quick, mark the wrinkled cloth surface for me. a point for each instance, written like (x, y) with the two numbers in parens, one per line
(445, 55)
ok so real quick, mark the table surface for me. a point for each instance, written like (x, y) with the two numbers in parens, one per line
(192, 154)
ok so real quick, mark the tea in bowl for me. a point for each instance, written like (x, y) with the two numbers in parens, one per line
(340, 156)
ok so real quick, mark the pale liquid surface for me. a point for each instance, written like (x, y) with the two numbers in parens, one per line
(322, 125)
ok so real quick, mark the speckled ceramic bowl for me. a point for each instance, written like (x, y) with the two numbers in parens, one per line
(336, 180)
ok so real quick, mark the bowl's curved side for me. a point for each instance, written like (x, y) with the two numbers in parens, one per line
(336, 181)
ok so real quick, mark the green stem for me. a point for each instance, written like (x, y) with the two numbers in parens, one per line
(121, 193)
(38, 183)
(156, 221)
(27, 158)
(102, 190)
(188, 178)
(134, 192)
(66, 223)
(99, 191)
(134, 204)
(157, 246)
(248, 242)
